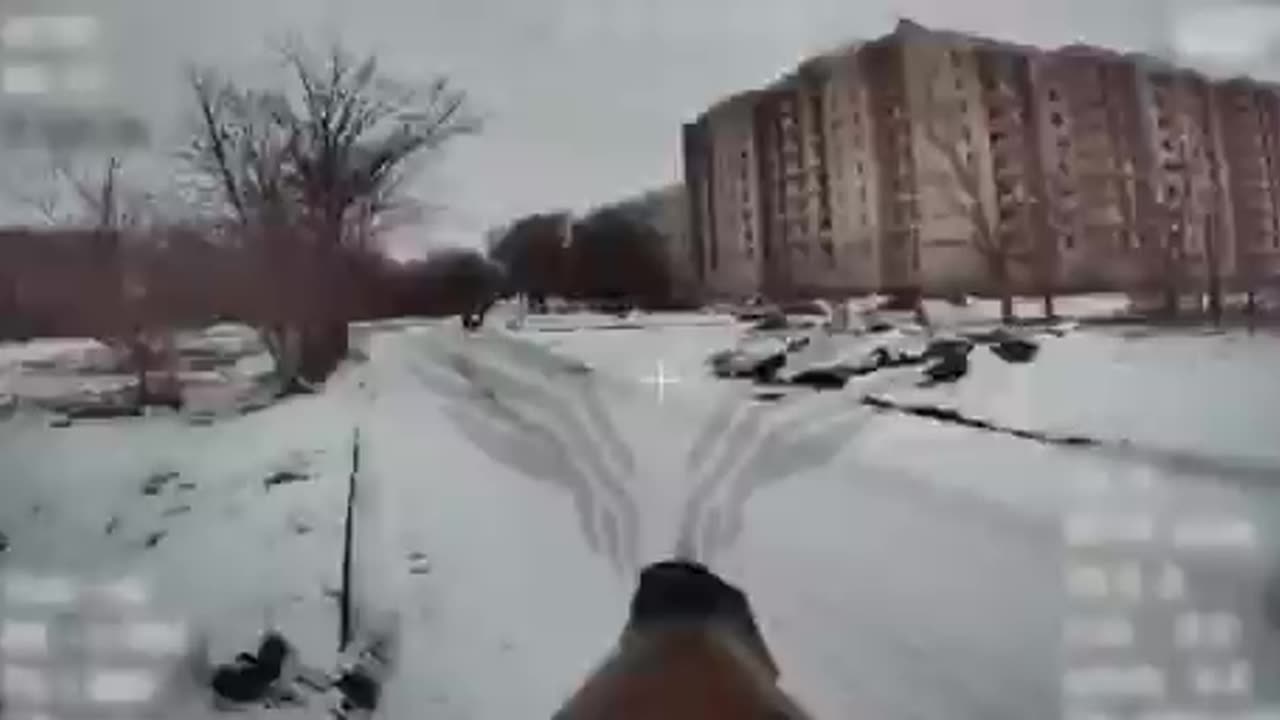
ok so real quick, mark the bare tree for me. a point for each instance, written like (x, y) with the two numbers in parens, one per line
(942, 122)
(312, 175)
(125, 216)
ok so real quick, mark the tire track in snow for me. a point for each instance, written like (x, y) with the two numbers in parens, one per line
(746, 446)
(541, 415)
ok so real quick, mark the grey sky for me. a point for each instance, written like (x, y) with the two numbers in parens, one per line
(584, 98)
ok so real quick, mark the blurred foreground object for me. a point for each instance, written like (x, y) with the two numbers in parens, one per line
(76, 648)
(691, 650)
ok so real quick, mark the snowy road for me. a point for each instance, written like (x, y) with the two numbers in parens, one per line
(901, 569)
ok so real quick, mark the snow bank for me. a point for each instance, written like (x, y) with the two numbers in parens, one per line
(219, 370)
(1208, 393)
(63, 354)
(984, 311)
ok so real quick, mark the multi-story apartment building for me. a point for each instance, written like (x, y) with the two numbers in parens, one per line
(950, 183)
(721, 175)
(950, 162)
(841, 151)
(854, 182)
(1249, 127)
(791, 145)
(1183, 190)
(1020, 241)
(1097, 152)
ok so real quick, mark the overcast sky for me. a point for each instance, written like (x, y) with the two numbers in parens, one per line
(583, 98)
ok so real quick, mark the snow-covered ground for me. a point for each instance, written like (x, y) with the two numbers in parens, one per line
(511, 483)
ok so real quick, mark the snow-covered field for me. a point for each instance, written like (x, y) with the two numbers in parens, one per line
(511, 483)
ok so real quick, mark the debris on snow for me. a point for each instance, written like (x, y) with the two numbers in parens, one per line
(947, 346)
(249, 678)
(360, 682)
(359, 689)
(948, 366)
(774, 320)
(156, 482)
(300, 526)
(4, 542)
(757, 359)
(1013, 349)
(418, 564)
(879, 326)
(823, 378)
(112, 525)
(284, 477)
(177, 510)
(154, 538)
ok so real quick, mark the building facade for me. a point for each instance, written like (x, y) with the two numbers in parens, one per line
(1249, 129)
(948, 162)
(723, 184)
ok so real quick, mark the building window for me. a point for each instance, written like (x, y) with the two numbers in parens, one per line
(1068, 241)
(1053, 95)
(1057, 119)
